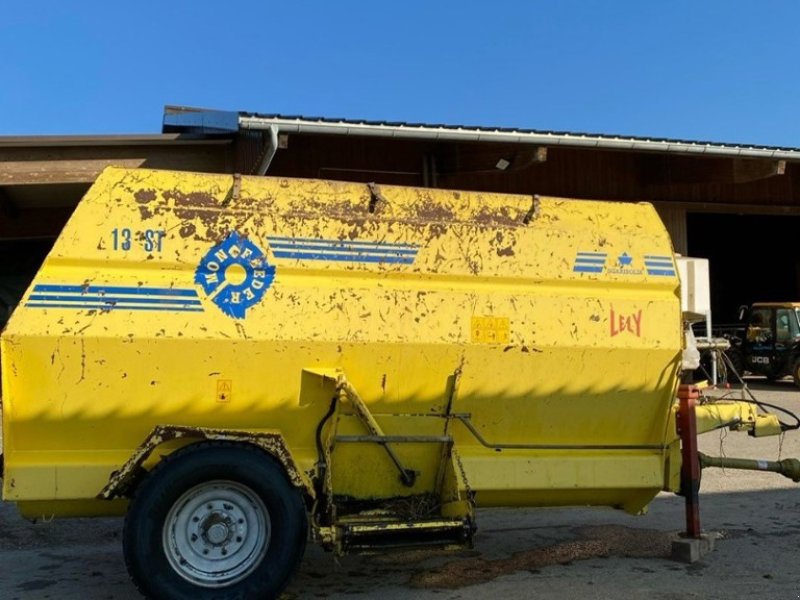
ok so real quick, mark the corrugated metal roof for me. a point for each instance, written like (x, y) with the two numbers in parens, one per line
(483, 128)
(178, 118)
(479, 133)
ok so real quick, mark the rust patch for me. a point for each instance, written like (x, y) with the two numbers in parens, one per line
(507, 251)
(594, 542)
(427, 209)
(144, 196)
(121, 481)
(193, 199)
(436, 230)
(187, 230)
(494, 217)
(215, 229)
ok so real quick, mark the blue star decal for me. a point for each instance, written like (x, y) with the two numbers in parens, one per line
(625, 259)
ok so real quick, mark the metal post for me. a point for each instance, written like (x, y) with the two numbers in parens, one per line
(690, 461)
(709, 338)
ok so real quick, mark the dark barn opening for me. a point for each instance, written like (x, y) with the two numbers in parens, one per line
(21, 261)
(752, 258)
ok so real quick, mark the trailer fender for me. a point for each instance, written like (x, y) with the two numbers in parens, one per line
(122, 482)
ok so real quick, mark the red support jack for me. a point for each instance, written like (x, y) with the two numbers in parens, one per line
(690, 461)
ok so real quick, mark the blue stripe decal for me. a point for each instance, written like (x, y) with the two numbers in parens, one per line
(300, 255)
(657, 265)
(342, 250)
(113, 299)
(590, 261)
(108, 307)
(360, 243)
(110, 289)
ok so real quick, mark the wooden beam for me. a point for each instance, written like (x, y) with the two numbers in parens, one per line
(748, 169)
(453, 159)
(43, 165)
(38, 172)
(661, 170)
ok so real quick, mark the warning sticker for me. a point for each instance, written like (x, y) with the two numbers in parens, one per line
(224, 390)
(490, 330)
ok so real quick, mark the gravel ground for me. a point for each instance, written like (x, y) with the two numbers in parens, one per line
(546, 553)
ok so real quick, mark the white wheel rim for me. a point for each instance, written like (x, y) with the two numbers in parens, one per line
(216, 534)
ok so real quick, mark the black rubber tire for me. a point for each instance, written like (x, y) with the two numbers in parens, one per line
(143, 548)
(737, 360)
(796, 373)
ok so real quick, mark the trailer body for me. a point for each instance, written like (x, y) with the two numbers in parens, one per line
(381, 343)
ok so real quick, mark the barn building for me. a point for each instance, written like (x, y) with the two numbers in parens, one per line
(736, 204)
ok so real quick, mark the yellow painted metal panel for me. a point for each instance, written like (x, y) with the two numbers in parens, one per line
(548, 479)
(203, 300)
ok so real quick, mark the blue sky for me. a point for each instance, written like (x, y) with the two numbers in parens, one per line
(703, 69)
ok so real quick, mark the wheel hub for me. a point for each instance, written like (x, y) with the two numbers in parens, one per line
(222, 531)
(216, 534)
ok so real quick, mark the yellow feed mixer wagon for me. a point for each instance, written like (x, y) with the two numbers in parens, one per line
(240, 364)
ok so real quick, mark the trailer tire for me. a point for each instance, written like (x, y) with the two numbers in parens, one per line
(215, 520)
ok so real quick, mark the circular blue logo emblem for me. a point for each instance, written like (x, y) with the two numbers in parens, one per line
(235, 274)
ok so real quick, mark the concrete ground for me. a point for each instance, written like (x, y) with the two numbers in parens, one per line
(553, 553)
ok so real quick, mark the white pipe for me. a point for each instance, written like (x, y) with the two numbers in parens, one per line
(269, 154)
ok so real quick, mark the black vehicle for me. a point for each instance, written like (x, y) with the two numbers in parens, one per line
(769, 344)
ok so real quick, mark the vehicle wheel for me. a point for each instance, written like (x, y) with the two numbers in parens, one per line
(737, 360)
(215, 520)
(796, 373)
